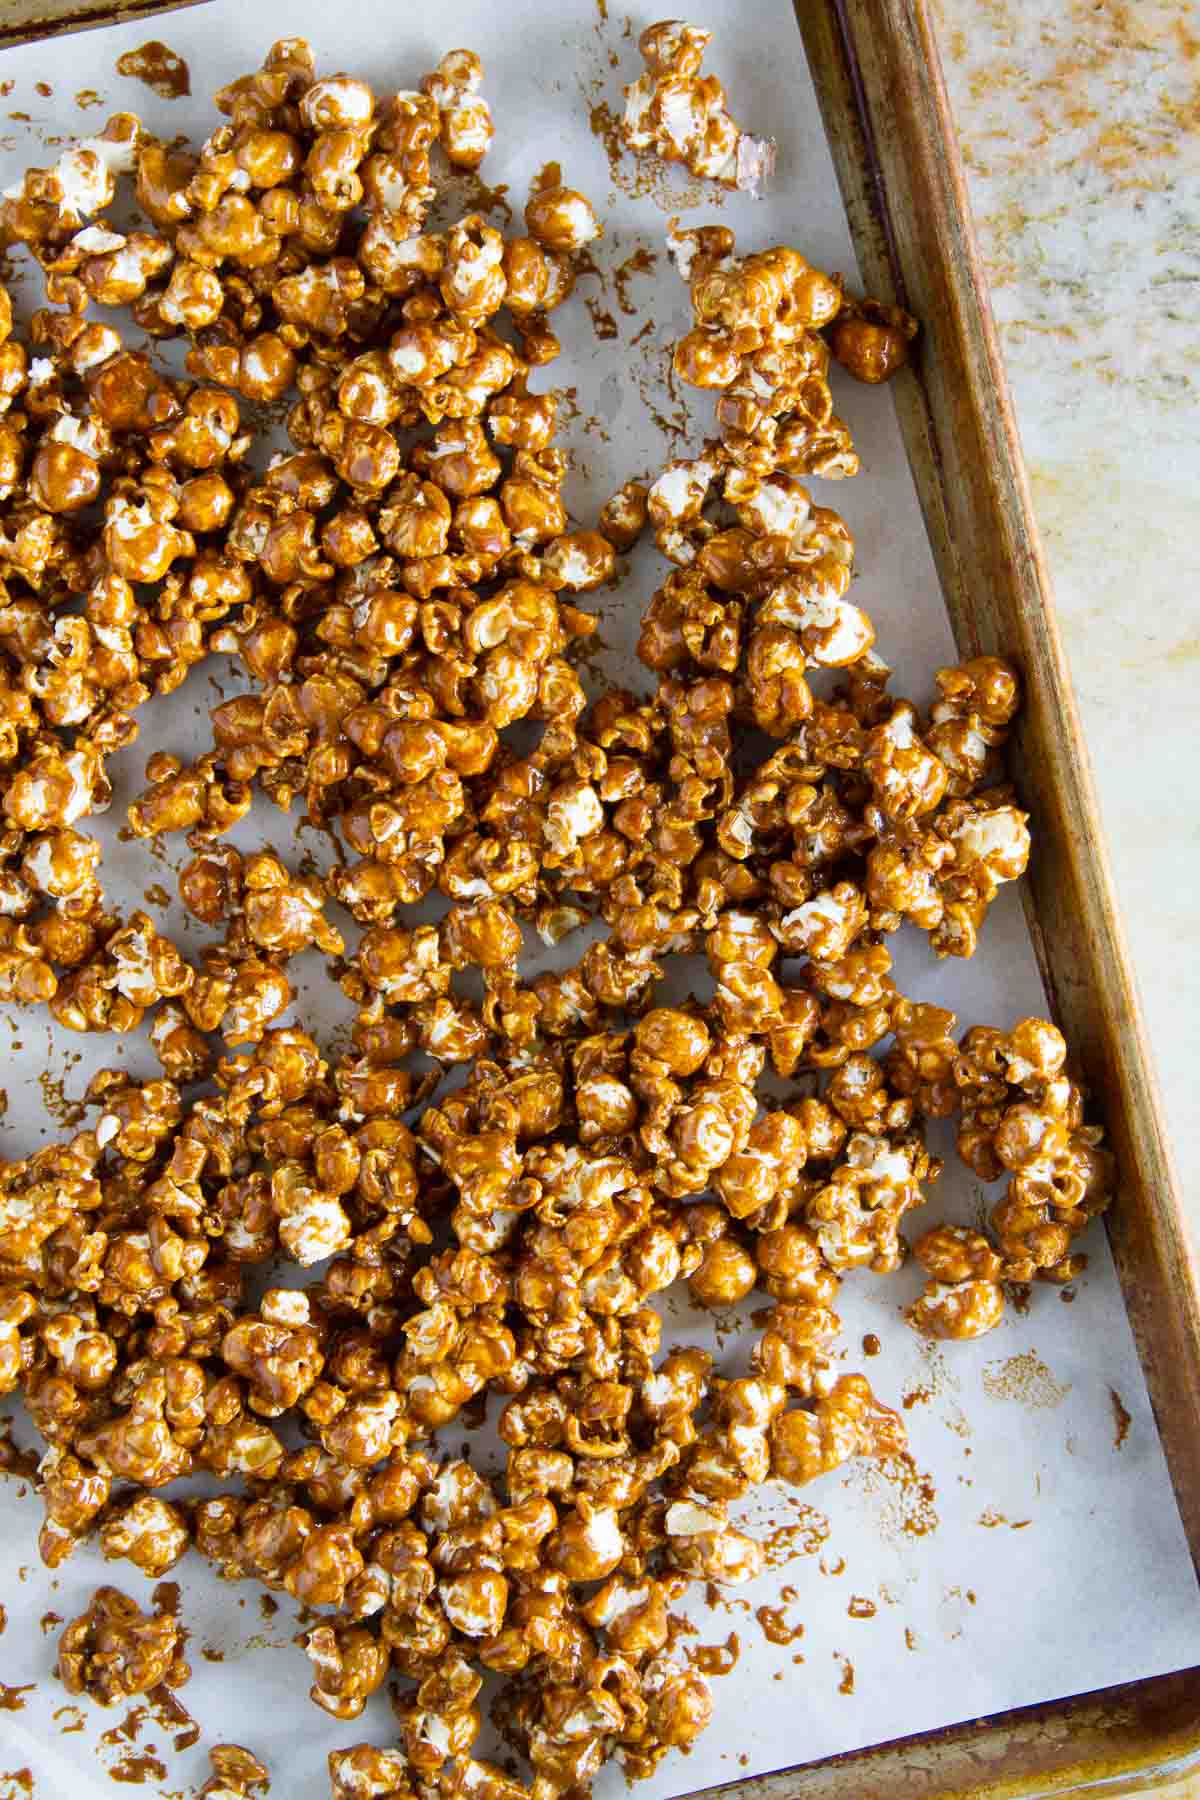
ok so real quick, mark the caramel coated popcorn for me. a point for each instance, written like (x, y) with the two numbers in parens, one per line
(278, 1271)
(113, 1650)
(237, 1774)
(1021, 1116)
(681, 114)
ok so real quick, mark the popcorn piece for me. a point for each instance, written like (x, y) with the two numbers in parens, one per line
(681, 115)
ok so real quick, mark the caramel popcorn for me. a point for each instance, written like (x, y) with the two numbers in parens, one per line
(1020, 1115)
(681, 115)
(150, 1532)
(285, 1266)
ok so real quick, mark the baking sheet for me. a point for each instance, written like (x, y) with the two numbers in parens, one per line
(1034, 1549)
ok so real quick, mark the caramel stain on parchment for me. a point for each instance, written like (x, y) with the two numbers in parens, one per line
(990, 1519)
(1122, 1419)
(54, 1098)
(641, 174)
(3, 1621)
(126, 1730)
(719, 1601)
(906, 1495)
(88, 97)
(157, 66)
(938, 1381)
(803, 1537)
(73, 1715)
(1025, 1379)
(465, 190)
(861, 1608)
(19, 1781)
(603, 323)
(50, 1621)
(871, 1345)
(640, 262)
(12, 1699)
(846, 1684)
(44, 89)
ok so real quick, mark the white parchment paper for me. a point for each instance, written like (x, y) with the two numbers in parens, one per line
(1039, 1552)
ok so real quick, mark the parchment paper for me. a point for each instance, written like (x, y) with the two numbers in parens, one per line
(1039, 1553)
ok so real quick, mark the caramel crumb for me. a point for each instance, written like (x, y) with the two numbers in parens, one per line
(1122, 1419)
(155, 64)
(1025, 1379)
(603, 323)
(127, 1730)
(774, 1626)
(136, 1770)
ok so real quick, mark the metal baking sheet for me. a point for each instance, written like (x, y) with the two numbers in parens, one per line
(1033, 1548)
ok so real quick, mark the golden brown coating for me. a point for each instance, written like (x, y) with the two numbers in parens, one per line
(871, 340)
(237, 1774)
(681, 114)
(1021, 1116)
(290, 1278)
(113, 1650)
